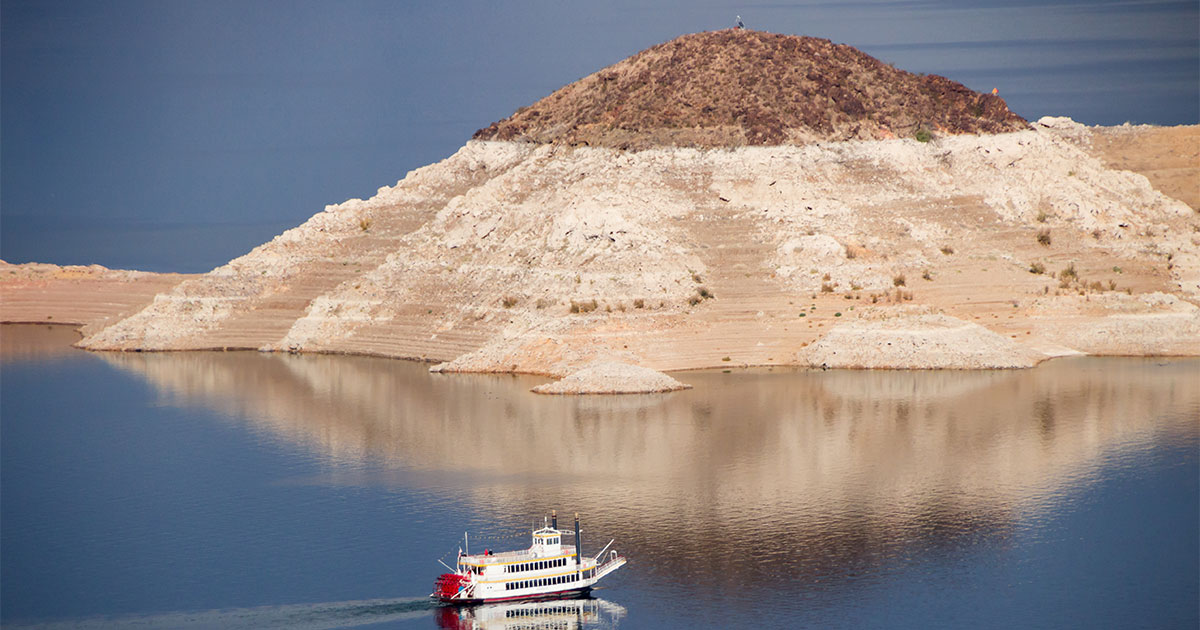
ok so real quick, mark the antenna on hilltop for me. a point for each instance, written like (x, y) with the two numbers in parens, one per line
(739, 22)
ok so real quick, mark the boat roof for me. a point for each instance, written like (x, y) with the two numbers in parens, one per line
(512, 557)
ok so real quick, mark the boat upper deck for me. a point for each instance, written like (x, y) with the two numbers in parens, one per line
(546, 545)
(513, 557)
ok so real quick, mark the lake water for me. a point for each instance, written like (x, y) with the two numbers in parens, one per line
(198, 490)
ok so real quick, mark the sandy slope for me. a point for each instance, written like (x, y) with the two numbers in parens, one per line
(536, 258)
(91, 297)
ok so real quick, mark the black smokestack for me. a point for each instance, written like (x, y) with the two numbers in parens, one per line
(554, 519)
(578, 544)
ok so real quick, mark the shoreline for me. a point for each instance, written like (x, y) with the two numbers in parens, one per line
(413, 274)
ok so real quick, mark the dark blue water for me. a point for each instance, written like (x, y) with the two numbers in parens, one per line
(246, 490)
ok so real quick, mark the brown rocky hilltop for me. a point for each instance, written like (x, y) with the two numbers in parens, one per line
(738, 87)
(528, 251)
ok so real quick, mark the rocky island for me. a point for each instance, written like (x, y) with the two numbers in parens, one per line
(730, 198)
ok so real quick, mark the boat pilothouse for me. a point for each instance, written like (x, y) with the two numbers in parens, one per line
(547, 569)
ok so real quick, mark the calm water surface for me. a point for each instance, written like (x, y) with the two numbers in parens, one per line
(204, 490)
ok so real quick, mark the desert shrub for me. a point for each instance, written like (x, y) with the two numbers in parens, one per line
(826, 287)
(850, 253)
(1042, 217)
(826, 277)
(694, 300)
(639, 303)
(704, 292)
(837, 314)
(509, 301)
(726, 359)
(696, 278)
(854, 286)
(947, 250)
(583, 307)
(1068, 272)
(923, 135)
(898, 280)
(1037, 268)
(1043, 237)
(543, 303)
(365, 223)
(926, 275)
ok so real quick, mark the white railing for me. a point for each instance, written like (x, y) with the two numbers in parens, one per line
(612, 561)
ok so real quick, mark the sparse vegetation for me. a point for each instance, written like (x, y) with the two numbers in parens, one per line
(1043, 237)
(639, 303)
(926, 275)
(1068, 272)
(1042, 217)
(1037, 268)
(543, 303)
(704, 292)
(826, 287)
(726, 359)
(509, 301)
(584, 307)
(947, 250)
(365, 223)
(696, 278)
(898, 280)
(923, 135)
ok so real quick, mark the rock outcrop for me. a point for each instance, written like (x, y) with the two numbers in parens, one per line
(897, 340)
(609, 377)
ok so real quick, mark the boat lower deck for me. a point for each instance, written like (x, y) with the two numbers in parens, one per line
(565, 594)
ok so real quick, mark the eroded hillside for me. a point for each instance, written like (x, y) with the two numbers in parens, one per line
(737, 87)
(789, 202)
(543, 258)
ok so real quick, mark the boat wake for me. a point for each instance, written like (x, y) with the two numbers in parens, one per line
(319, 616)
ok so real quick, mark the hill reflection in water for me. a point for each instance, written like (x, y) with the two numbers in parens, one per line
(816, 477)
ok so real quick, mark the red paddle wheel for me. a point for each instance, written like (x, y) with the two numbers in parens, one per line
(448, 585)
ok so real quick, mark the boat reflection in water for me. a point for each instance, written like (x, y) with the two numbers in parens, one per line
(562, 614)
(789, 479)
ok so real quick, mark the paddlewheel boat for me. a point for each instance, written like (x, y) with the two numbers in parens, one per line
(547, 569)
